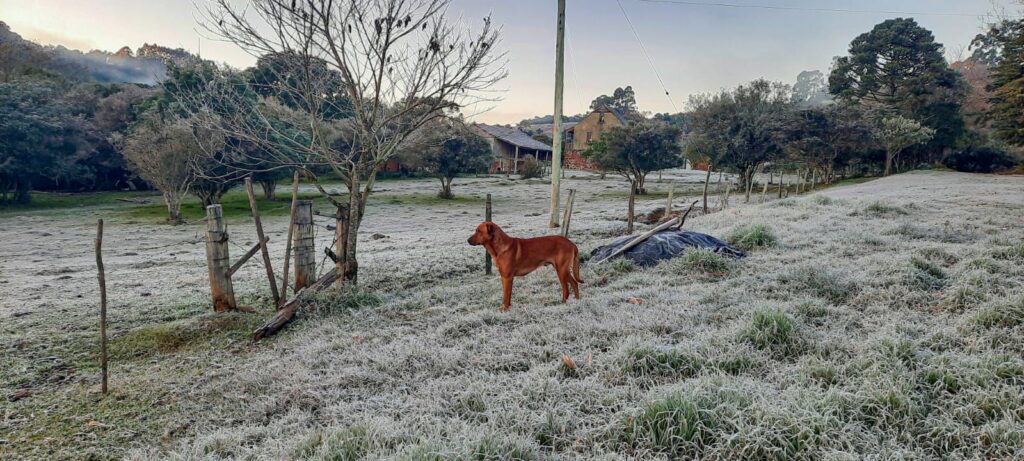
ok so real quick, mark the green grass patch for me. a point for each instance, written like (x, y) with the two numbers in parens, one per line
(750, 236)
(772, 330)
(206, 331)
(926, 276)
(42, 201)
(1011, 253)
(1006, 315)
(347, 299)
(647, 361)
(883, 209)
(235, 205)
(702, 260)
(820, 282)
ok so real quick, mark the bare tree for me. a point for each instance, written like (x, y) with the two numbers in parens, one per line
(164, 153)
(353, 80)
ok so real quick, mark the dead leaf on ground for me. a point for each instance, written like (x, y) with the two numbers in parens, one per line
(636, 301)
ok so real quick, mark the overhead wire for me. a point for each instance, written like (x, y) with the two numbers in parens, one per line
(649, 59)
(814, 9)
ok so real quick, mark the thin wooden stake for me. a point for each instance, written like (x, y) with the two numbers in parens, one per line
(103, 305)
(632, 207)
(263, 242)
(782, 175)
(567, 217)
(487, 217)
(288, 243)
(668, 204)
(764, 192)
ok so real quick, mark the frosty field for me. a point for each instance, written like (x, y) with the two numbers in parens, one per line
(882, 320)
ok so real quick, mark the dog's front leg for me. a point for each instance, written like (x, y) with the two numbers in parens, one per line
(506, 285)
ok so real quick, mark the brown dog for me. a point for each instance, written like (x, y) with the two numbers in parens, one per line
(518, 257)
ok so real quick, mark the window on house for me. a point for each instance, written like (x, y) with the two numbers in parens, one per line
(589, 137)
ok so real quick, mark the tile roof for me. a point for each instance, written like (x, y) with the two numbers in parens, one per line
(513, 136)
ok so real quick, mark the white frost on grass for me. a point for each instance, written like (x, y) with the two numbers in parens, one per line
(877, 359)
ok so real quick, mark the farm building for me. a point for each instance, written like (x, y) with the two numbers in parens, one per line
(511, 147)
(579, 136)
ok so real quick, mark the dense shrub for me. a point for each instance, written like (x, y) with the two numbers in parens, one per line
(531, 168)
(979, 159)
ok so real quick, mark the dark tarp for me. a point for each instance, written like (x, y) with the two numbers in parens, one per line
(664, 245)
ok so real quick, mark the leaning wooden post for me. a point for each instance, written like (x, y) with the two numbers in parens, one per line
(487, 217)
(262, 241)
(305, 256)
(103, 305)
(341, 236)
(764, 192)
(782, 175)
(217, 260)
(632, 206)
(288, 241)
(567, 216)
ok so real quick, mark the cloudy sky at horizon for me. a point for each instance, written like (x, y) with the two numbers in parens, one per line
(695, 47)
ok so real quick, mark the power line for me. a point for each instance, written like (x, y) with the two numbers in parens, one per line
(813, 9)
(649, 60)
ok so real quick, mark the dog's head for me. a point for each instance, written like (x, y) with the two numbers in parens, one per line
(484, 233)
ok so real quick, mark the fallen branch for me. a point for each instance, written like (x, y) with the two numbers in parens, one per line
(640, 239)
(287, 311)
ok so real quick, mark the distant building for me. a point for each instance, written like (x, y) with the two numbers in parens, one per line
(511, 146)
(579, 136)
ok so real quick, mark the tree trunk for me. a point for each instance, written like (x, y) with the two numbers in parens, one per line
(748, 180)
(707, 181)
(446, 189)
(268, 189)
(173, 208)
(640, 188)
(888, 162)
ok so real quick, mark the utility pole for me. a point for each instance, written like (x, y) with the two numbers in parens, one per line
(556, 155)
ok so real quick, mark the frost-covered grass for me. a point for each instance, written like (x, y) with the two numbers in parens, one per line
(842, 340)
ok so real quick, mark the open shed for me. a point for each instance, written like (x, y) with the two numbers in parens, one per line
(511, 146)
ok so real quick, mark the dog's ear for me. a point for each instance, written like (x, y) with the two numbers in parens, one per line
(490, 229)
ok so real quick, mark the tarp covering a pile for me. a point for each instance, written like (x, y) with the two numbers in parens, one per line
(665, 245)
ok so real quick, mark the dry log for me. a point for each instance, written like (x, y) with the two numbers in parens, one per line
(288, 310)
(640, 239)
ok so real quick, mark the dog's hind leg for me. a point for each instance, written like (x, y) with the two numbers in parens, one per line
(563, 279)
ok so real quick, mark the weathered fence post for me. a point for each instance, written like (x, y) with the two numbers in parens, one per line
(305, 257)
(288, 240)
(217, 260)
(341, 236)
(567, 216)
(782, 176)
(487, 217)
(103, 305)
(764, 192)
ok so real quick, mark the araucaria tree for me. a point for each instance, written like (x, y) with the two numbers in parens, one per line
(898, 66)
(637, 149)
(394, 65)
(896, 133)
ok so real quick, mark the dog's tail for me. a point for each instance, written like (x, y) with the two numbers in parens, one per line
(576, 266)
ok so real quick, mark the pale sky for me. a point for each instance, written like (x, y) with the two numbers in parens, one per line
(695, 47)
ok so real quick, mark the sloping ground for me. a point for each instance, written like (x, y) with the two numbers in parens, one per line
(879, 320)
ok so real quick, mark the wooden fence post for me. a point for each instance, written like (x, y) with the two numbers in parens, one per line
(764, 192)
(487, 217)
(782, 176)
(632, 207)
(668, 204)
(303, 244)
(217, 260)
(567, 216)
(288, 240)
(341, 236)
(103, 305)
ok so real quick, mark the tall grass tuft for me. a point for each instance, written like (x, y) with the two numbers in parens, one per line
(772, 330)
(750, 236)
